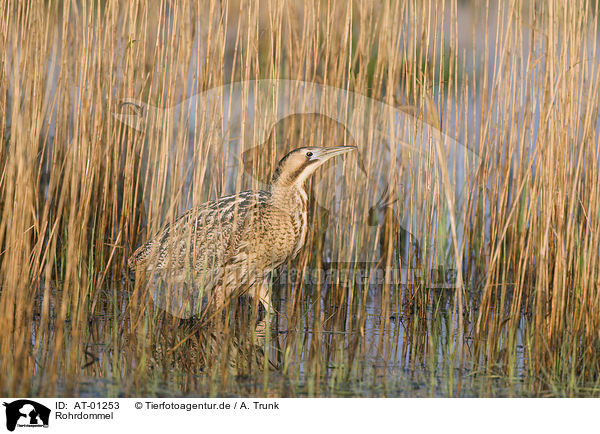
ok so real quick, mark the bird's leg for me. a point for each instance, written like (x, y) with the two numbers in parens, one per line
(260, 291)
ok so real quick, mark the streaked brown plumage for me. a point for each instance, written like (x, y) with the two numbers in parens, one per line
(231, 244)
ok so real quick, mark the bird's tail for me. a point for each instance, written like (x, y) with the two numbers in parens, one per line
(138, 258)
(132, 261)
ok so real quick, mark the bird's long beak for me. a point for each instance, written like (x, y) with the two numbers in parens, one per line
(327, 153)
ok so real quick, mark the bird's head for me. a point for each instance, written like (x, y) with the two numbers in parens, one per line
(299, 164)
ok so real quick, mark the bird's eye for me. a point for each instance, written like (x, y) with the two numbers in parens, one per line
(309, 154)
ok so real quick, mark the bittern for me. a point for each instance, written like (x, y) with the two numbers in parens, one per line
(230, 245)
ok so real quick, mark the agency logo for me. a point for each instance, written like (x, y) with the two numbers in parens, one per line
(26, 413)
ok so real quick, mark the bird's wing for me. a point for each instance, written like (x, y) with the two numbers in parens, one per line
(201, 240)
(244, 264)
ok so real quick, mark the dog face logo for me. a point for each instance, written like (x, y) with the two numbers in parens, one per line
(26, 413)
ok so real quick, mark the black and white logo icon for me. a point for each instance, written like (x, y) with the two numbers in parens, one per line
(26, 413)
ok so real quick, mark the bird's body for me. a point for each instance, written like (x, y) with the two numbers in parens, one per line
(231, 244)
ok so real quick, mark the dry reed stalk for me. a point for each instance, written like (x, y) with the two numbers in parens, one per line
(79, 189)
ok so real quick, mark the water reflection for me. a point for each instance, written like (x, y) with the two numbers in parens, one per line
(233, 339)
(326, 339)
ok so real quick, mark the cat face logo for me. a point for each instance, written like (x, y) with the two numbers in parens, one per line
(26, 413)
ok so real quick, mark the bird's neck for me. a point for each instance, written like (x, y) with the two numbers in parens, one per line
(289, 196)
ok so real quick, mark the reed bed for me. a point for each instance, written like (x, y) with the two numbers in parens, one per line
(426, 272)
